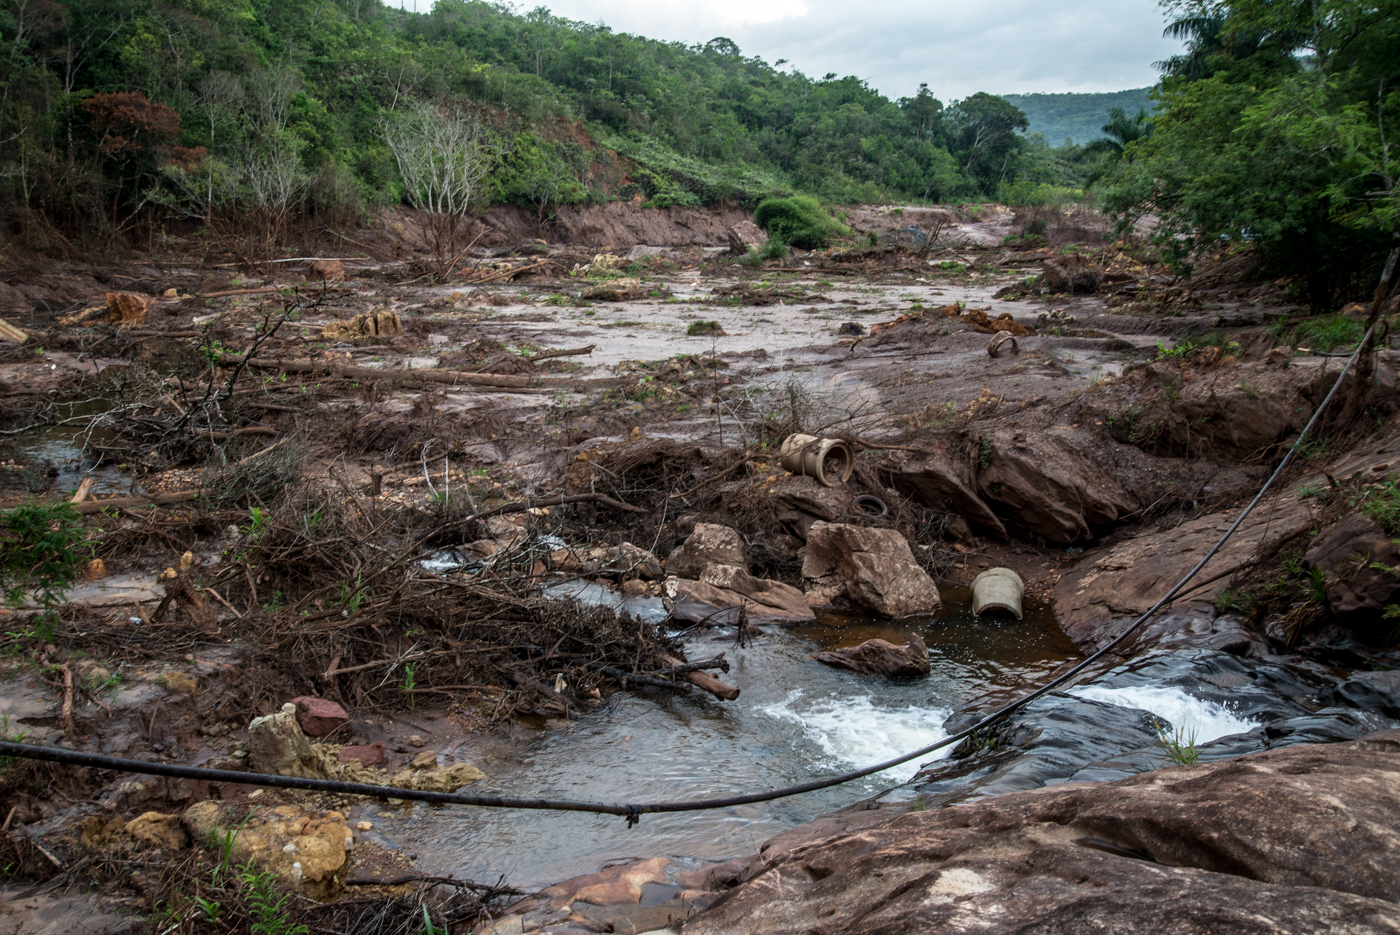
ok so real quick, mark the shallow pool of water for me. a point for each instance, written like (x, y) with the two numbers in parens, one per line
(796, 720)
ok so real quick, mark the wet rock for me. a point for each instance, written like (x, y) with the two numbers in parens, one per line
(723, 589)
(611, 887)
(276, 744)
(371, 754)
(1295, 840)
(327, 270)
(1359, 562)
(436, 778)
(319, 717)
(1042, 486)
(707, 544)
(311, 855)
(866, 567)
(714, 877)
(159, 830)
(881, 657)
(1370, 691)
(943, 480)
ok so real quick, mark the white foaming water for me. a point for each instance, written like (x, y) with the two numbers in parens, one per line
(854, 732)
(1206, 720)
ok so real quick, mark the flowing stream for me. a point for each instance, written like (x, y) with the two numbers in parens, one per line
(796, 720)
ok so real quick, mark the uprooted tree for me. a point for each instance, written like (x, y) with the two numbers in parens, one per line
(441, 155)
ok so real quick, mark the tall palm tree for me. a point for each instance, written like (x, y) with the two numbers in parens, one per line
(1119, 132)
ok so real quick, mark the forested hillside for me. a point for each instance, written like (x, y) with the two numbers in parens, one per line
(1080, 117)
(114, 112)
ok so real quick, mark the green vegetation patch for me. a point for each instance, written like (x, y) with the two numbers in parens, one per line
(800, 221)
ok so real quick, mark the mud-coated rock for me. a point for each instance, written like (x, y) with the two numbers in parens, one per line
(1359, 562)
(1297, 840)
(159, 830)
(707, 544)
(881, 657)
(1041, 486)
(277, 744)
(384, 323)
(943, 480)
(309, 854)
(801, 501)
(437, 779)
(866, 567)
(319, 717)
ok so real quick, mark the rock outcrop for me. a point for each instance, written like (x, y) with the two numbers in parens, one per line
(866, 567)
(1042, 486)
(707, 544)
(881, 657)
(1361, 569)
(1296, 840)
(944, 480)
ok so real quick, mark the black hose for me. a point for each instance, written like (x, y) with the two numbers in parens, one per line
(633, 812)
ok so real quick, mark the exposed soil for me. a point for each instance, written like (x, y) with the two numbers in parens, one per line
(370, 481)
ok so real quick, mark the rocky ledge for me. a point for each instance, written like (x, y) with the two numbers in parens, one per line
(1294, 840)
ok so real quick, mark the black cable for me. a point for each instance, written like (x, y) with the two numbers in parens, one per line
(633, 812)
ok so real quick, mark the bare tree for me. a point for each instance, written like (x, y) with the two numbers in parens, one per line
(442, 157)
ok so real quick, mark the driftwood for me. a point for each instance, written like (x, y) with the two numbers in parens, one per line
(83, 490)
(10, 333)
(705, 681)
(719, 662)
(187, 597)
(118, 503)
(573, 352)
(634, 678)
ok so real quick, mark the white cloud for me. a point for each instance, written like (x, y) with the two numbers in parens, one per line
(958, 46)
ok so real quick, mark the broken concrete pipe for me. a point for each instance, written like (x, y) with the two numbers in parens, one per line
(997, 589)
(1001, 338)
(828, 460)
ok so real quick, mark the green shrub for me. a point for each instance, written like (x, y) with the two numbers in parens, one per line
(42, 546)
(1328, 333)
(799, 221)
(773, 249)
(702, 328)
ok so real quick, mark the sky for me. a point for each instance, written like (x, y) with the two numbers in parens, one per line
(958, 46)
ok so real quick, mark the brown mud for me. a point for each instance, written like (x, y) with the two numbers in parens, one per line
(372, 479)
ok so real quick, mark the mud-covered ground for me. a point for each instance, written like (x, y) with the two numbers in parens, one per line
(328, 450)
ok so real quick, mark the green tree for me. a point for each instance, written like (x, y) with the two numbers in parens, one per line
(982, 133)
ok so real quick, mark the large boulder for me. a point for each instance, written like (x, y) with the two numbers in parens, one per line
(1295, 840)
(723, 589)
(1361, 567)
(881, 657)
(1043, 487)
(708, 544)
(868, 568)
(277, 744)
(942, 479)
(801, 501)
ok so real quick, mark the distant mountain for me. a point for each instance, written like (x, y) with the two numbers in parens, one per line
(1078, 116)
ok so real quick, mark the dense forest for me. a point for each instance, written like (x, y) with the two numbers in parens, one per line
(116, 111)
(1275, 131)
(1078, 117)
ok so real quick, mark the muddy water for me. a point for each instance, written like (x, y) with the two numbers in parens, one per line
(796, 720)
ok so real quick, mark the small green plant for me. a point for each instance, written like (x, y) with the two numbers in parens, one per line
(274, 605)
(18, 736)
(1179, 744)
(698, 329)
(268, 907)
(409, 681)
(212, 909)
(257, 525)
(42, 549)
(984, 453)
(774, 248)
(428, 927)
(1172, 389)
(1232, 601)
(350, 598)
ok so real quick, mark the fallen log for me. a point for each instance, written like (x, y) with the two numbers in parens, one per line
(10, 333)
(705, 681)
(719, 662)
(264, 289)
(572, 352)
(118, 503)
(83, 490)
(450, 377)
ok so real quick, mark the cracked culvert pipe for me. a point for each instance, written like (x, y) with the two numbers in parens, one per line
(829, 460)
(997, 589)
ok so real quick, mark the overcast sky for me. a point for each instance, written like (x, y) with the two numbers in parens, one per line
(957, 46)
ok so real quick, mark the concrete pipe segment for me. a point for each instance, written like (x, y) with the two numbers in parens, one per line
(829, 460)
(997, 589)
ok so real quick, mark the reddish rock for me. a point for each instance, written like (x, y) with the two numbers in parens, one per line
(611, 887)
(318, 717)
(370, 754)
(881, 657)
(329, 270)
